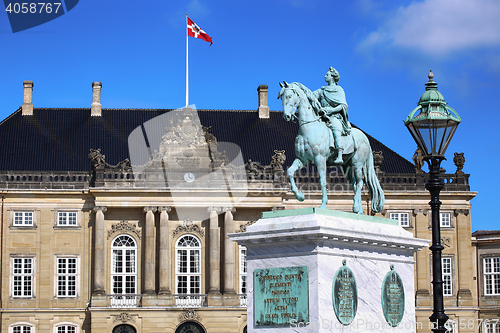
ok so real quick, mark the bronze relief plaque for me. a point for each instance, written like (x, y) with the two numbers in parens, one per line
(345, 294)
(281, 296)
(393, 298)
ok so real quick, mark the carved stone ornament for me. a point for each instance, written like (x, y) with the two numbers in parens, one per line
(98, 161)
(192, 228)
(243, 227)
(446, 241)
(461, 211)
(150, 208)
(378, 159)
(420, 211)
(418, 159)
(214, 209)
(124, 226)
(189, 315)
(187, 131)
(459, 161)
(253, 168)
(165, 208)
(101, 208)
(278, 160)
(96, 158)
(123, 317)
(187, 222)
(228, 209)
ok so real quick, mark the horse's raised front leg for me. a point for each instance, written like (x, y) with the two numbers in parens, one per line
(296, 165)
(320, 162)
(357, 207)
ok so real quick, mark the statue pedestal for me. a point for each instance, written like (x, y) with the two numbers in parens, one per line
(317, 270)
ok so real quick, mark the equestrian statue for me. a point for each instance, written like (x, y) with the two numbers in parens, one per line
(326, 139)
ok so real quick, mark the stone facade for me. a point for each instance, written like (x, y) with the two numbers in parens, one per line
(487, 250)
(121, 207)
(114, 249)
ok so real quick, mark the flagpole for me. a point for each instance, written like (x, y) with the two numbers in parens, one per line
(187, 65)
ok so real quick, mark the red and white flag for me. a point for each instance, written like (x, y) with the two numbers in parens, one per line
(195, 31)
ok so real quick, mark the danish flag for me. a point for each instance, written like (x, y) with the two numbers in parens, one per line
(195, 31)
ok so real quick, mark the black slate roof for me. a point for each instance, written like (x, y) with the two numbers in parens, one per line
(55, 139)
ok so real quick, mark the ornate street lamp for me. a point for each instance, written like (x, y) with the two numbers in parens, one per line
(432, 124)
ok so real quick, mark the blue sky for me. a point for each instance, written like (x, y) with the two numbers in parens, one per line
(382, 49)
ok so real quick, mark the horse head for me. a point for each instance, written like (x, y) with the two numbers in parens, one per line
(290, 100)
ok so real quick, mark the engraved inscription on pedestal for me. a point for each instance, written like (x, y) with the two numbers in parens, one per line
(393, 298)
(345, 295)
(281, 295)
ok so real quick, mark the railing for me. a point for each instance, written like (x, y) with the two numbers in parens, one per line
(44, 180)
(190, 301)
(243, 300)
(264, 180)
(336, 182)
(124, 301)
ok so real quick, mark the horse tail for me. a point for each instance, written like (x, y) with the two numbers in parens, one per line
(376, 192)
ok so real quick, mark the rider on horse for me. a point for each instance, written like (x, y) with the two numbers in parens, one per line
(334, 110)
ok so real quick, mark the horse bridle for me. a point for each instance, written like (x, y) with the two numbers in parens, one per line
(295, 117)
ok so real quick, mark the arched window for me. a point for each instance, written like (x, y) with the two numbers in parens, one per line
(124, 265)
(188, 265)
(124, 329)
(190, 327)
(22, 329)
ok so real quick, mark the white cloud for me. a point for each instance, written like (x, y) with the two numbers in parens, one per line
(440, 27)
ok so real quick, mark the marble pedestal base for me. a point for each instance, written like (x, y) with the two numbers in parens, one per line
(321, 239)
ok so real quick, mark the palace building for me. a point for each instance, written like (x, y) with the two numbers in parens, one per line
(116, 220)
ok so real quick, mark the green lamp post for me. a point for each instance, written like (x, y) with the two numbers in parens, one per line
(432, 124)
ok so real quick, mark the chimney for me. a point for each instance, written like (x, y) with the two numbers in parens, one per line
(28, 98)
(263, 108)
(95, 107)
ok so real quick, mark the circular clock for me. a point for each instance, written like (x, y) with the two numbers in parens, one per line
(189, 177)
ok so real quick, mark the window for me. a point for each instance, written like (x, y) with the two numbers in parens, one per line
(450, 326)
(21, 329)
(491, 276)
(243, 269)
(23, 219)
(66, 219)
(492, 326)
(445, 220)
(188, 265)
(22, 277)
(402, 218)
(447, 277)
(124, 265)
(67, 276)
(66, 329)
(125, 329)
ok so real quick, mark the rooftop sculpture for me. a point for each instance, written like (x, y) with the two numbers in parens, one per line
(326, 138)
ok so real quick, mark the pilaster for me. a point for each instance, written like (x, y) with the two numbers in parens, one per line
(423, 280)
(230, 298)
(214, 293)
(465, 257)
(149, 271)
(165, 297)
(99, 280)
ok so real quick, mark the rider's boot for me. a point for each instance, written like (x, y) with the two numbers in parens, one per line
(338, 148)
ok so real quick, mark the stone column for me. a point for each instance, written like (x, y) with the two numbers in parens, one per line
(229, 290)
(165, 282)
(465, 258)
(149, 272)
(99, 280)
(422, 259)
(214, 294)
